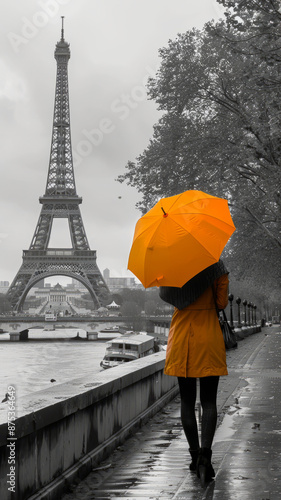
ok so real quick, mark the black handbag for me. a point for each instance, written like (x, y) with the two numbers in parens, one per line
(229, 338)
(228, 333)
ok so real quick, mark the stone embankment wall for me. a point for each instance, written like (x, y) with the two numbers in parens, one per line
(65, 431)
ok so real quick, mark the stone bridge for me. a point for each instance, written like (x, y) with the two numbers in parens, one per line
(19, 325)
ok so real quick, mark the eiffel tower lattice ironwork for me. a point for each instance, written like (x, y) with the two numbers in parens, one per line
(59, 201)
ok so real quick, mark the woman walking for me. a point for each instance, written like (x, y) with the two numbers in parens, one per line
(196, 350)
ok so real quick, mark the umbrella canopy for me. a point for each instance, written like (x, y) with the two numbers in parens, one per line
(179, 237)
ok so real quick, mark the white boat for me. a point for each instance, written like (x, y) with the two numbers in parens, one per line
(110, 329)
(127, 348)
(110, 332)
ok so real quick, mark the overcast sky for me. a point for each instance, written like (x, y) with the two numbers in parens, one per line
(114, 48)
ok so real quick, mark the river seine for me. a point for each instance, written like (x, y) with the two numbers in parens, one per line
(57, 355)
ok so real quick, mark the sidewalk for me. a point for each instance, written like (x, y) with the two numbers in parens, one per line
(154, 462)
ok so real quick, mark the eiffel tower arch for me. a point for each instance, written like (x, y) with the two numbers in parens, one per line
(59, 201)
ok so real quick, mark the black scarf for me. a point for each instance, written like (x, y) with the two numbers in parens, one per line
(191, 291)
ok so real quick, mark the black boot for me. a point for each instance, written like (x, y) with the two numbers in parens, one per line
(194, 456)
(205, 470)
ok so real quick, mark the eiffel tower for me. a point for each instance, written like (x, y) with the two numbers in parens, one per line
(59, 201)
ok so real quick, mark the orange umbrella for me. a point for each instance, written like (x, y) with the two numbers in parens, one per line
(179, 237)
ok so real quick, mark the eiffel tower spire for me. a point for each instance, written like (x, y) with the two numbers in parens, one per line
(59, 201)
(60, 179)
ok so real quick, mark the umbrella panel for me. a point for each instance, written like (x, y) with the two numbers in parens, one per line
(152, 258)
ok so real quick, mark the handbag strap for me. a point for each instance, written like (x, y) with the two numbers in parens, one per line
(217, 309)
(224, 315)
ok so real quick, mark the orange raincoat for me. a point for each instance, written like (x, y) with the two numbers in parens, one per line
(195, 343)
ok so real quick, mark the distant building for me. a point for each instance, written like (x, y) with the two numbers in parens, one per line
(4, 286)
(77, 285)
(40, 284)
(106, 274)
(115, 284)
(57, 293)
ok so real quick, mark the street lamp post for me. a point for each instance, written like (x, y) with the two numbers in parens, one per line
(245, 312)
(238, 302)
(230, 298)
(249, 314)
(255, 314)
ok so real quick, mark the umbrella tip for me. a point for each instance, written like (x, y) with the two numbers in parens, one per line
(165, 214)
(160, 278)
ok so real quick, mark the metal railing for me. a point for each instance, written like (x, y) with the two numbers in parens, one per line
(249, 313)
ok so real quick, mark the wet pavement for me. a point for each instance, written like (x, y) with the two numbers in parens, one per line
(154, 463)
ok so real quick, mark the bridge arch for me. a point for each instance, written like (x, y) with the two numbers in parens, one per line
(42, 275)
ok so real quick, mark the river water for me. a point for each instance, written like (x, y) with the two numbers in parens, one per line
(30, 365)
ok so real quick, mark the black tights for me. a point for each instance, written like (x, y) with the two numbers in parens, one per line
(208, 398)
